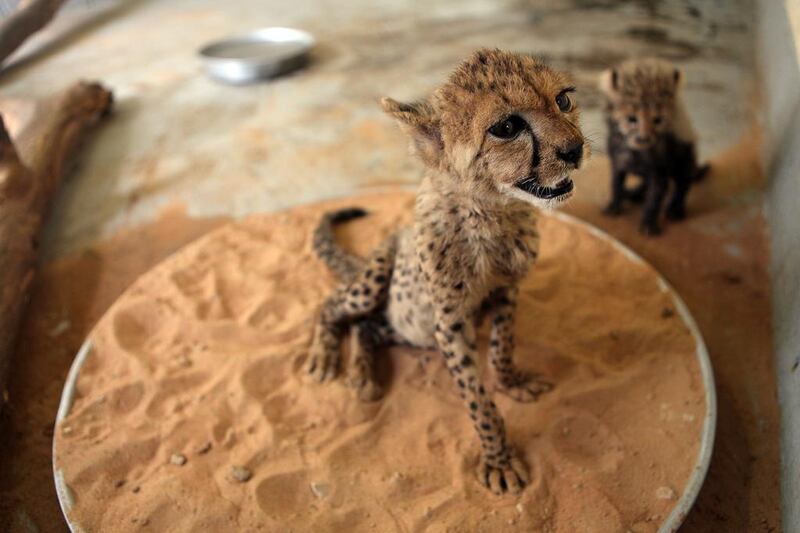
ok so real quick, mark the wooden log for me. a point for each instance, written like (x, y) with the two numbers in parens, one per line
(29, 17)
(36, 145)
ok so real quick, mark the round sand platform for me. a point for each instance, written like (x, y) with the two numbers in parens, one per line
(192, 380)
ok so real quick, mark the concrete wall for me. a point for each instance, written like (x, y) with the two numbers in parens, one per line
(779, 52)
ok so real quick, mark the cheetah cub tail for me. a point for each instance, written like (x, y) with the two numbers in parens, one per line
(342, 263)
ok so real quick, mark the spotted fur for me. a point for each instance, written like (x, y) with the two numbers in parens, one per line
(649, 135)
(345, 265)
(474, 238)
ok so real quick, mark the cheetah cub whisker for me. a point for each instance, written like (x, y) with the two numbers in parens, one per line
(498, 139)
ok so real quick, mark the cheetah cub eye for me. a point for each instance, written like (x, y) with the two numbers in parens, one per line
(563, 101)
(509, 128)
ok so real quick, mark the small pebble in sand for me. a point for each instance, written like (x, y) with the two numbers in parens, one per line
(178, 459)
(665, 493)
(320, 490)
(205, 448)
(66, 430)
(520, 508)
(241, 474)
(118, 483)
(136, 489)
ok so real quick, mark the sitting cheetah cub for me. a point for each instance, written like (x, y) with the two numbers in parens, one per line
(649, 134)
(499, 137)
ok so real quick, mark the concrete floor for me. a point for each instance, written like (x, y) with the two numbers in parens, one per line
(179, 138)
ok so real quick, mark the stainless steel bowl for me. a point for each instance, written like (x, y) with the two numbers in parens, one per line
(258, 55)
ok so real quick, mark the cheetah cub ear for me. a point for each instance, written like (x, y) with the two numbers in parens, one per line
(419, 121)
(677, 75)
(609, 82)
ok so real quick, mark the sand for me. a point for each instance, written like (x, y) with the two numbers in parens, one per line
(718, 261)
(191, 412)
(69, 296)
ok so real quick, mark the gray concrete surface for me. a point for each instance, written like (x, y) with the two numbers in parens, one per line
(179, 137)
(777, 36)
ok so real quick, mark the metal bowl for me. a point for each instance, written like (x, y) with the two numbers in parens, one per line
(258, 55)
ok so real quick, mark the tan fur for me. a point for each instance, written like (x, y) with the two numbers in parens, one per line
(650, 90)
(473, 239)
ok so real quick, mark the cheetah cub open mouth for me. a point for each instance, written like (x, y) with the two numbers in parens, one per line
(560, 191)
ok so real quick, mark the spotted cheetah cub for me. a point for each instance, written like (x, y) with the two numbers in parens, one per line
(498, 138)
(649, 134)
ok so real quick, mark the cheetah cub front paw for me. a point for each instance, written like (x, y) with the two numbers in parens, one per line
(510, 476)
(524, 388)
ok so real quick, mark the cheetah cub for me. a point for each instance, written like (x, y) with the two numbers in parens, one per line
(499, 138)
(649, 134)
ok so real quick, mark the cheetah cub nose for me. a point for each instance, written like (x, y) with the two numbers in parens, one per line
(572, 153)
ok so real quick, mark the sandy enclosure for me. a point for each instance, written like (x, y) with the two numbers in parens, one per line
(194, 371)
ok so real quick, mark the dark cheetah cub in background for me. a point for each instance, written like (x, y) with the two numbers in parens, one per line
(649, 134)
(499, 137)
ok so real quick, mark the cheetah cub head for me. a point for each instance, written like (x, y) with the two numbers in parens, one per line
(641, 95)
(503, 125)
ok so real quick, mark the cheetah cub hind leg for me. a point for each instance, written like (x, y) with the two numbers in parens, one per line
(368, 337)
(352, 301)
